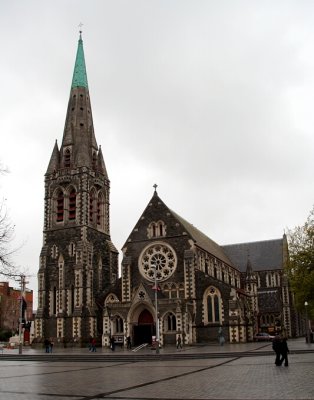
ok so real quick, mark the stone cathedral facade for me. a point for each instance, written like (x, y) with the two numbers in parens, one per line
(201, 287)
(78, 261)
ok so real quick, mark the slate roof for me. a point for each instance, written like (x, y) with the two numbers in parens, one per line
(203, 241)
(264, 255)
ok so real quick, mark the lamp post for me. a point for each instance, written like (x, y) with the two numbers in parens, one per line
(21, 340)
(308, 339)
(156, 310)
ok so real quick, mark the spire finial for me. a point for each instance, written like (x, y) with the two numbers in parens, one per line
(155, 187)
(80, 26)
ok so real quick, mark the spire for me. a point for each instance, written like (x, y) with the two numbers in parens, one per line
(79, 74)
(79, 143)
(249, 269)
(250, 275)
(101, 163)
(54, 160)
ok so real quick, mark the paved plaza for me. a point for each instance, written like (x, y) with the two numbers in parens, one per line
(234, 377)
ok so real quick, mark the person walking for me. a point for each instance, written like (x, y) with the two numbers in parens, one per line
(51, 345)
(277, 348)
(179, 342)
(112, 343)
(93, 345)
(221, 337)
(47, 345)
(90, 344)
(128, 342)
(284, 350)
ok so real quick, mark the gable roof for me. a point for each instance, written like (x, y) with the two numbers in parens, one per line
(203, 241)
(264, 255)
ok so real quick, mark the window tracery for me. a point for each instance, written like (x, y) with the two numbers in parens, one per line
(212, 305)
(157, 258)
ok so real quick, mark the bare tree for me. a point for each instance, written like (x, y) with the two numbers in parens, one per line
(7, 267)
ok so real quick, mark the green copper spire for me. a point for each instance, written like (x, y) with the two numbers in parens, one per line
(79, 74)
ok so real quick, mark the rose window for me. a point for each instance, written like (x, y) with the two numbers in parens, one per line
(158, 257)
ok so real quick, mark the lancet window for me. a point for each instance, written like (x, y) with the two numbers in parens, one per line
(72, 204)
(212, 305)
(156, 229)
(60, 206)
(67, 158)
(171, 322)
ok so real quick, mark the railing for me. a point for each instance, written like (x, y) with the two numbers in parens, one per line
(139, 347)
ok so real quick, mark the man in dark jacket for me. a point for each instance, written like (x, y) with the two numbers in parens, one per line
(284, 350)
(277, 348)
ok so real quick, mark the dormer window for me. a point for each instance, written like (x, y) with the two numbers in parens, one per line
(156, 229)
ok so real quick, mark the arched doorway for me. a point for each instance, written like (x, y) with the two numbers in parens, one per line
(145, 328)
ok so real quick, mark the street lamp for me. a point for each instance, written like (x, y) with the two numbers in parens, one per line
(308, 339)
(21, 339)
(156, 310)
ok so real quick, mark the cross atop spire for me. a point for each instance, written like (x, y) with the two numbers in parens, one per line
(155, 187)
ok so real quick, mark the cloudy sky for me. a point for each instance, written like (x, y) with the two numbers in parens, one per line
(211, 100)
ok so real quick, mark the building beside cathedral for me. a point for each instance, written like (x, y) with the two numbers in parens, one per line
(201, 287)
(78, 261)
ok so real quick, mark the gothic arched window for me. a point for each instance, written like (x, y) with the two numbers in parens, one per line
(156, 229)
(118, 325)
(171, 322)
(71, 308)
(181, 291)
(212, 305)
(71, 249)
(54, 301)
(174, 293)
(72, 204)
(67, 158)
(100, 210)
(60, 206)
(94, 160)
(92, 200)
(54, 251)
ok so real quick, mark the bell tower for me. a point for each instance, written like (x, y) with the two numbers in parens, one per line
(78, 261)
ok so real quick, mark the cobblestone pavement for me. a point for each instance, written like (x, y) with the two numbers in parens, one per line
(237, 377)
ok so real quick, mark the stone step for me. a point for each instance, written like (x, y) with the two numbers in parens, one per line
(129, 358)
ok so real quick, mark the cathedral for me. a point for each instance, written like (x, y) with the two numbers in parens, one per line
(174, 280)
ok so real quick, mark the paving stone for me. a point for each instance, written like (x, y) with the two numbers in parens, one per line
(235, 377)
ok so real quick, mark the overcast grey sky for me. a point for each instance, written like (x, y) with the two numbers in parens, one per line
(211, 100)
